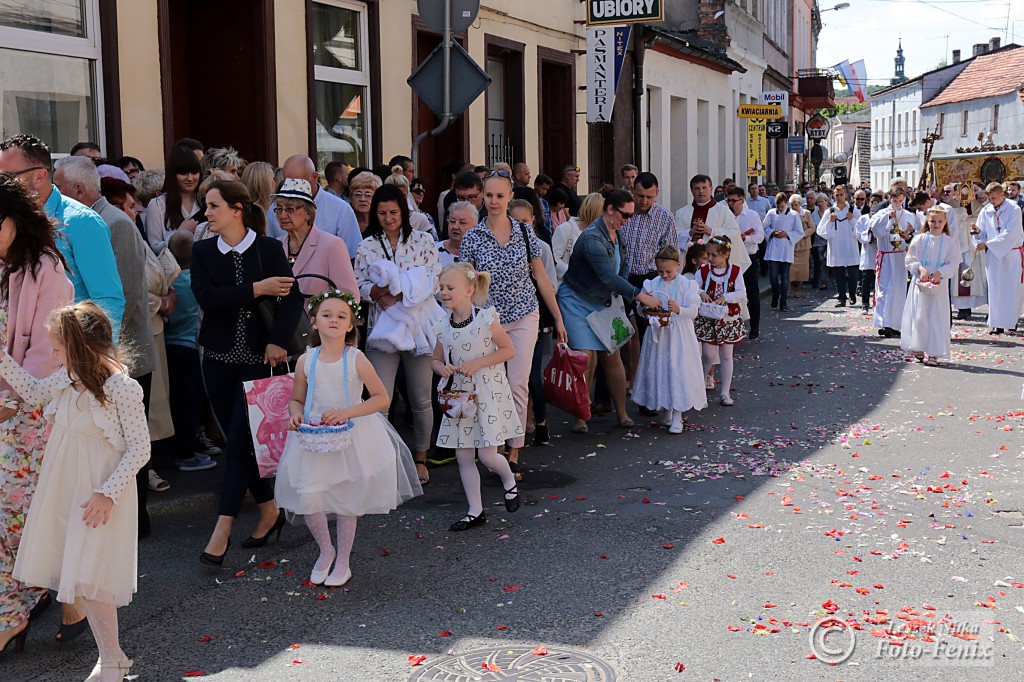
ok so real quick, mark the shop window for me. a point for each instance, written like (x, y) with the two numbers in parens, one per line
(49, 66)
(342, 83)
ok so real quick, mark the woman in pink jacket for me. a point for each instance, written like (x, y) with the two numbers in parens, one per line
(310, 250)
(32, 284)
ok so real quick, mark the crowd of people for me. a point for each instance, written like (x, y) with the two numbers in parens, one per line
(135, 305)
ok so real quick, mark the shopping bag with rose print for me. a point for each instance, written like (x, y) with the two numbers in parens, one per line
(267, 402)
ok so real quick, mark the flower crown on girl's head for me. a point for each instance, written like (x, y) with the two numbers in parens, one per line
(317, 299)
(719, 241)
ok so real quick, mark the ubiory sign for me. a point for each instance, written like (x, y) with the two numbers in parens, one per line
(601, 12)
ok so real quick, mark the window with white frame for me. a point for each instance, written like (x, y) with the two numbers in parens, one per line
(50, 71)
(913, 129)
(942, 123)
(963, 125)
(995, 118)
(341, 69)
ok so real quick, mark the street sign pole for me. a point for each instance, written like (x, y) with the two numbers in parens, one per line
(446, 117)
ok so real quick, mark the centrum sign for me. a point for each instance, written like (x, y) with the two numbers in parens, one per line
(601, 12)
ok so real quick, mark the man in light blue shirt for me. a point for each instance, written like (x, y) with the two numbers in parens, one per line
(757, 203)
(333, 215)
(83, 236)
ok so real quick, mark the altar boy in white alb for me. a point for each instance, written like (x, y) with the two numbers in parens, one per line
(839, 227)
(999, 234)
(893, 228)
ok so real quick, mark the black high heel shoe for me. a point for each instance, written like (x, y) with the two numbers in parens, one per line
(251, 541)
(41, 606)
(69, 631)
(18, 639)
(214, 559)
(512, 504)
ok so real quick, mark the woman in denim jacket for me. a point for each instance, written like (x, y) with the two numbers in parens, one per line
(598, 269)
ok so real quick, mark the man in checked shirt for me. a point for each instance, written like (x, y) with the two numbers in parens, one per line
(651, 227)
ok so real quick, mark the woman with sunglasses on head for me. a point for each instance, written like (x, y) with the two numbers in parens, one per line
(597, 270)
(510, 251)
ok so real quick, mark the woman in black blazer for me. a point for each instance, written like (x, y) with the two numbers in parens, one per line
(230, 276)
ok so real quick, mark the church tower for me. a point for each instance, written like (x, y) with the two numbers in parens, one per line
(900, 61)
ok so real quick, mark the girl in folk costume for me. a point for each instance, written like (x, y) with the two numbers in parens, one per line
(366, 469)
(472, 343)
(999, 235)
(893, 230)
(868, 253)
(721, 284)
(668, 377)
(932, 259)
(81, 534)
(839, 228)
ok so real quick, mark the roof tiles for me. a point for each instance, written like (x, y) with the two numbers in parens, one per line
(988, 75)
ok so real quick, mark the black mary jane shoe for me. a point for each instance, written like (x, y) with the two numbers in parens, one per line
(512, 504)
(41, 606)
(253, 541)
(69, 631)
(214, 559)
(468, 521)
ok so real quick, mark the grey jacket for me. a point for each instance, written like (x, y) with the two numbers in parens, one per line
(130, 254)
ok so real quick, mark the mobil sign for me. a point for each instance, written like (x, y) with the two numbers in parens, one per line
(780, 97)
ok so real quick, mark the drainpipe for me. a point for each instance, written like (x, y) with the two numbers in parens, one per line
(639, 48)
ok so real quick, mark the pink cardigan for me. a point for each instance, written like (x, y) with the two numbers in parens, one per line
(323, 254)
(30, 300)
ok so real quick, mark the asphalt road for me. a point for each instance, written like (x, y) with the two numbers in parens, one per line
(844, 480)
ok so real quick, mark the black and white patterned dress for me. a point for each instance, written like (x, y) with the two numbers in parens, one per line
(496, 420)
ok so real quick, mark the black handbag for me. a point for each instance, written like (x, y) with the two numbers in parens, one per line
(267, 309)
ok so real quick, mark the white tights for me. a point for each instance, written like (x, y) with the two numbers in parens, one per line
(471, 475)
(317, 524)
(103, 623)
(712, 355)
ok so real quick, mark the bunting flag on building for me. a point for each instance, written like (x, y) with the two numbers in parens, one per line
(858, 80)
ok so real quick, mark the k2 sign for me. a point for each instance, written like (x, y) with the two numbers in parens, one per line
(606, 50)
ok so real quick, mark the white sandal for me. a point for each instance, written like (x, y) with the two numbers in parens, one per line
(157, 484)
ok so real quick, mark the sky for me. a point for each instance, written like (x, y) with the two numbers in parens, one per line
(931, 30)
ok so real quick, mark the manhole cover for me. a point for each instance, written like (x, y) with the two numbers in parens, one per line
(516, 663)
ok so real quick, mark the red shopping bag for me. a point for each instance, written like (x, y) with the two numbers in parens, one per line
(564, 385)
(267, 401)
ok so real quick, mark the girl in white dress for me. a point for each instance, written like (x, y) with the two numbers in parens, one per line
(76, 540)
(365, 470)
(932, 259)
(472, 343)
(669, 376)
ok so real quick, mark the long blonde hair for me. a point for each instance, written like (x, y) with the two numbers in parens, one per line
(85, 331)
(478, 279)
(258, 178)
(936, 210)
